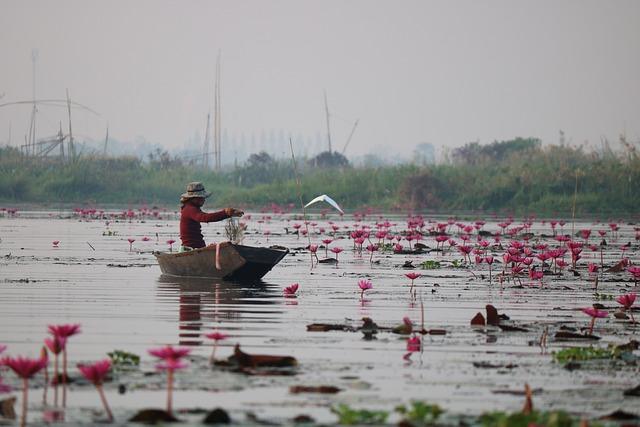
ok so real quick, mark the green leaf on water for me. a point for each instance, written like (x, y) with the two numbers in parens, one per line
(576, 354)
(430, 265)
(420, 413)
(604, 297)
(519, 419)
(121, 358)
(349, 416)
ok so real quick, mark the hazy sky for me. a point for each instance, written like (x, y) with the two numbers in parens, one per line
(445, 72)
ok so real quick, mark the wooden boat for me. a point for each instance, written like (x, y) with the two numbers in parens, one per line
(223, 261)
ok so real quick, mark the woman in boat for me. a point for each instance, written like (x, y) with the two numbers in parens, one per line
(191, 215)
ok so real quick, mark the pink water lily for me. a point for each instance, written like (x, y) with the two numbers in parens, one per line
(290, 291)
(62, 333)
(169, 352)
(336, 250)
(215, 336)
(171, 361)
(65, 330)
(413, 344)
(96, 373)
(25, 368)
(595, 314)
(412, 276)
(364, 285)
(131, 240)
(326, 242)
(170, 242)
(627, 301)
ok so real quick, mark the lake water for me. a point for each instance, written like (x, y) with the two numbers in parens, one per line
(123, 302)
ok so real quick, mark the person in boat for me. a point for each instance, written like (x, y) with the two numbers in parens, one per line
(191, 215)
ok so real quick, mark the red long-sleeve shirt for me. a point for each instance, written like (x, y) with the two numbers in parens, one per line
(190, 218)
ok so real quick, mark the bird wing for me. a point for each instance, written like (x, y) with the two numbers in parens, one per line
(327, 199)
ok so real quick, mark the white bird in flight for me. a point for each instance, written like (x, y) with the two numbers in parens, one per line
(327, 199)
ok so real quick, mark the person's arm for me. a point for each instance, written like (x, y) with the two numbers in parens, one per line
(200, 216)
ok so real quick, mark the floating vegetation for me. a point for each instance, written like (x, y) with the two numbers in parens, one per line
(349, 416)
(430, 265)
(580, 354)
(533, 418)
(234, 231)
(420, 413)
(123, 359)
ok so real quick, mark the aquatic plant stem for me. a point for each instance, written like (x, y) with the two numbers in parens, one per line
(25, 392)
(104, 402)
(169, 390)
(56, 376)
(46, 385)
(212, 358)
(64, 377)
(422, 316)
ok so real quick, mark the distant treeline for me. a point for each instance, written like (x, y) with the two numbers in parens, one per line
(517, 176)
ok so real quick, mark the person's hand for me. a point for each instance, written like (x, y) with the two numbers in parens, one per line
(233, 212)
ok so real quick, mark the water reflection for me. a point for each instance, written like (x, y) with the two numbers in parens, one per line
(205, 304)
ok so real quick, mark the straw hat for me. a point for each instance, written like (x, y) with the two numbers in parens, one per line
(195, 189)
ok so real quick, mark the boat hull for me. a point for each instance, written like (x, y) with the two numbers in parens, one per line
(235, 262)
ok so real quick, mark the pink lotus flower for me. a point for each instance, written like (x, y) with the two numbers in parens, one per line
(407, 322)
(595, 314)
(216, 336)
(95, 372)
(55, 243)
(635, 272)
(364, 285)
(169, 352)
(326, 242)
(336, 250)
(25, 368)
(535, 274)
(131, 240)
(593, 268)
(371, 249)
(413, 344)
(170, 242)
(170, 362)
(412, 276)
(146, 239)
(627, 301)
(55, 344)
(397, 248)
(290, 291)
(65, 330)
